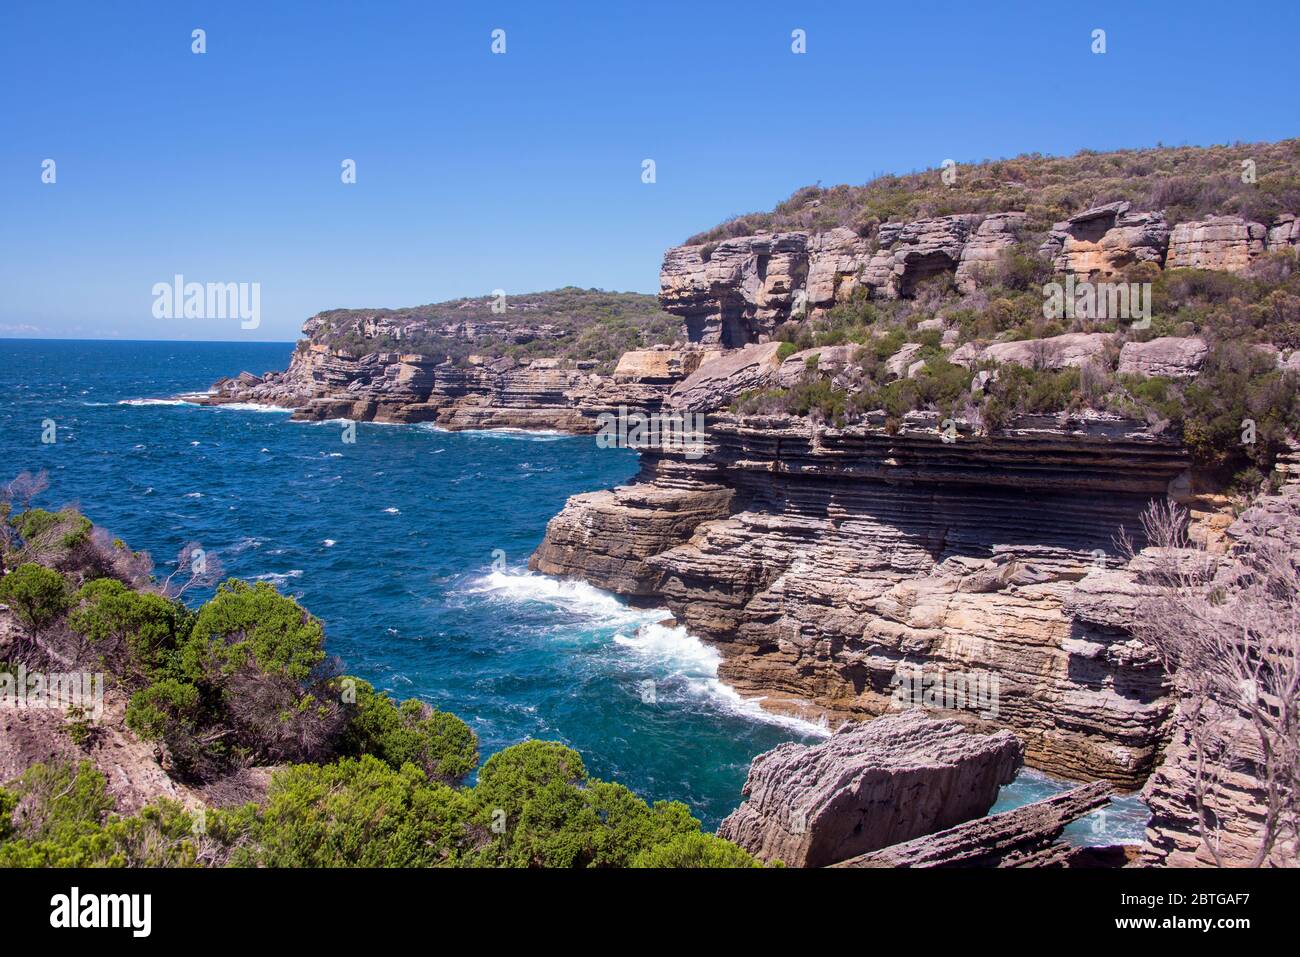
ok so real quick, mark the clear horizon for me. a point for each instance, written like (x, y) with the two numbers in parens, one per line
(523, 171)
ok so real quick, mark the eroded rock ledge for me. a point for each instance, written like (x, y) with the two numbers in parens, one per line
(480, 393)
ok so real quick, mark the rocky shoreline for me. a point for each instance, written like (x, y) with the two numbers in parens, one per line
(831, 564)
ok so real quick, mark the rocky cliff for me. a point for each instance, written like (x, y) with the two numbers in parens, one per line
(832, 565)
(478, 392)
(553, 360)
(740, 290)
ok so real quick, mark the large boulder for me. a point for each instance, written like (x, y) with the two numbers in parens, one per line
(868, 786)
(829, 361)
(1173, 357)
(719, 382)
(1229, 243)
(657, 365)
(1055, 352)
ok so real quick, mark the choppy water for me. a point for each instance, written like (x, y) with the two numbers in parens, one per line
(411, 545)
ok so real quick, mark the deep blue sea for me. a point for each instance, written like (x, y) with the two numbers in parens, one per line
(411, 544)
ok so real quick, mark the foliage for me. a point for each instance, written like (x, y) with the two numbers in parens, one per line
(59, 816)
(440, 744)
(253, 624)
(1186, 182)
(36, 594)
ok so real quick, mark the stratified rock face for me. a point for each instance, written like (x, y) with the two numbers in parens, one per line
(872, 784)
(1229, 243)
(1169, 356)
(606, 537)
(1101, 241)
(483, 393)
(850, 559)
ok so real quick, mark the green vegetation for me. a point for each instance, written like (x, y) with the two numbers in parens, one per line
(1244, 318)
(571, 323)
(37, 595)
(1185, 182)
(361, 779)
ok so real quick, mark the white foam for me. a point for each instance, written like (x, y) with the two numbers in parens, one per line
(251, 407)
(682, 655)
(279, 578)
(393, 511)
(155, 402)
(669, 651)
(329, 543)
(575, 597)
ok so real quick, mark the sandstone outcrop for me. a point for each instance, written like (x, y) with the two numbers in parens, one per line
(732, 292)
(986, 246)
(479, 393)
(1227, 243)
(870, 785)
(1169, 356)
(1101, 241)
(911, 253)
(720, 381)
(1284, 233)
(737, 291)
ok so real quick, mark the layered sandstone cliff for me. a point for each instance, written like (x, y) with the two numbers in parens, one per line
(479, 392)
(829, 565)
(739, 290)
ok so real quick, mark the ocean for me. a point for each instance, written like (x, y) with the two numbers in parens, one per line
(411, 544)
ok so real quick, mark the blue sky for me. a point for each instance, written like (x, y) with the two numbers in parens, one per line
(523, 171)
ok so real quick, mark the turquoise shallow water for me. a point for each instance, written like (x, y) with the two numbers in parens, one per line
(411, 544)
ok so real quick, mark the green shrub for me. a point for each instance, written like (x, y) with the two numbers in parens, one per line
(694, 851)
(354, 813)
(254, 625)
(440, 744)
(37, 595)
(136, 633)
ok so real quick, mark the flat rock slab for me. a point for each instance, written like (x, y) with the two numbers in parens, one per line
(870, 785)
